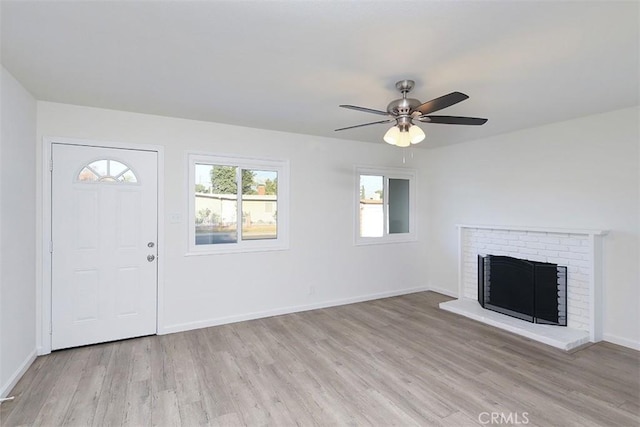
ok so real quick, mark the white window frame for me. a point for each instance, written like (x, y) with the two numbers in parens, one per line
(281, 242)
(386, 173)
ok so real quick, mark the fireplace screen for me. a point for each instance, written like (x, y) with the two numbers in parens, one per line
(529, 290)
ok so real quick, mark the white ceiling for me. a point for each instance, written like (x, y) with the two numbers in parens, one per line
(287, 65)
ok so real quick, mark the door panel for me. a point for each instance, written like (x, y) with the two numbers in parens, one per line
(104, 214)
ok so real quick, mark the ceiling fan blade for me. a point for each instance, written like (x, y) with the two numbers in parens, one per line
(442, 102)
(453, 120)
(365, 124)
(366, 110)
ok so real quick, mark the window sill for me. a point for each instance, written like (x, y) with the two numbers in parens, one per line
(236, 250)
(384, 241)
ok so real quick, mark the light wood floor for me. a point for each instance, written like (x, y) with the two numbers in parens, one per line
(396, 361)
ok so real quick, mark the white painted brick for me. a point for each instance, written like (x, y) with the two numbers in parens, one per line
(580, 291)
(528, 238)
(572, 255)
(573, 300)
(585, 299)
(548, 253)
(550, 240)
(578, 262)
(529, 251)
(579, 249)
(573, 311)
(535, 245)
(579, 277)
(571, 241)
(577, 325)
(502, 242)
(555, 247)
(580, 304)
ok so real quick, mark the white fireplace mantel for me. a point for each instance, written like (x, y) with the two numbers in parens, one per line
(578, 249)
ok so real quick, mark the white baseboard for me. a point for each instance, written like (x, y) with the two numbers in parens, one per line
(625, 342)
(285, 310)
(13, 380)
(443, 291)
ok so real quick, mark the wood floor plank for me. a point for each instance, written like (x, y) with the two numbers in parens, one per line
(137, 411)
(37, 382)
(395, 361)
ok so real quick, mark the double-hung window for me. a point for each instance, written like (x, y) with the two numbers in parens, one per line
(237, 204)
(385, 200)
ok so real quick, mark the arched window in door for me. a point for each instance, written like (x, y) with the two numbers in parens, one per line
(107, 170)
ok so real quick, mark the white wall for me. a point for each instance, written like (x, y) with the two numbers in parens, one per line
(205, 290)
(17, 232)
(582, 173)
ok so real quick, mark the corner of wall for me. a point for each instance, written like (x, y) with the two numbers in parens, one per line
(17, 231)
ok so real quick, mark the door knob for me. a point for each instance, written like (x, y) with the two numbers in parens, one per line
(151, 257)
(150, 244)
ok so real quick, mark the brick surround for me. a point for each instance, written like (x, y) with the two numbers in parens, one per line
(578, 250)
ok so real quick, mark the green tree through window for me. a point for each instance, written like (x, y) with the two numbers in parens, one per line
(223, 180)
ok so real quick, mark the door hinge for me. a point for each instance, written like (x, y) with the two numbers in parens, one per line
(50, 246)
(50, 329)
(51, 165)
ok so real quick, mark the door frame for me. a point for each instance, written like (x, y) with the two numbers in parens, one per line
(43, 292)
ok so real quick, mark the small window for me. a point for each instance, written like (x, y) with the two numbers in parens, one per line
(107, 170)
(385, 205)
(237, 204)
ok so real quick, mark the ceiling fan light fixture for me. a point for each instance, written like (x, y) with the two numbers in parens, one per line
(416, 134)
(392, 135)
(404, 140)
(403, 137)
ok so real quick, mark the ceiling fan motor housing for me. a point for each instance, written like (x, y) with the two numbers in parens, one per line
(403, 106)
(402, 110)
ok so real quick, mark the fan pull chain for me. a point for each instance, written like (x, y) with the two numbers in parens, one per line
(404, 157)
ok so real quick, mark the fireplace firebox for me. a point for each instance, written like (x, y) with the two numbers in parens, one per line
(529, 290)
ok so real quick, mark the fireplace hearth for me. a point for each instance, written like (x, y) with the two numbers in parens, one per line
(529, 290)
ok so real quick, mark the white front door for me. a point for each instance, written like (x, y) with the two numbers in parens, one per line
(104, 235)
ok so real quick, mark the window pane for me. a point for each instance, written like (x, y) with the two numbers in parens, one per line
(128, 176)
(100, 167)
(398, 205)
(216, 204)
(87, 175)
(116, 168)
(371, 206)
(106, 170)
(259, 204)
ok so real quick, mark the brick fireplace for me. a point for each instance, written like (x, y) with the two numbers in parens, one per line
(578, 250)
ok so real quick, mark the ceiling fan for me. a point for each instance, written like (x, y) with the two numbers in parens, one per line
(405, 110)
